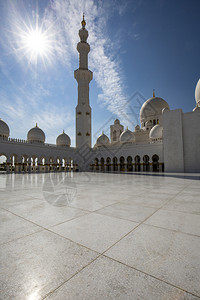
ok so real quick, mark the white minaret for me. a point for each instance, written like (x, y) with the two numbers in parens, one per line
(83, 77)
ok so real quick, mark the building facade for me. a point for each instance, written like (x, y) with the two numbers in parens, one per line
(167, 140)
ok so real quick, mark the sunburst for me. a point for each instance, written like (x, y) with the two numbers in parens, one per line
(34, 42)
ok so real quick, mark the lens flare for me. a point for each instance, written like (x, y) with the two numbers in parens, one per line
(33, 41)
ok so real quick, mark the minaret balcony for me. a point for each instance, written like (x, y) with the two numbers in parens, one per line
(83, 47)
(83, 74)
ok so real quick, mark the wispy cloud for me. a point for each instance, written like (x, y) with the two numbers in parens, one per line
(62, 18)
(106, 68)
(23, 109)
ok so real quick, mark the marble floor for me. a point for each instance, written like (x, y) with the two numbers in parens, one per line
(97, 236)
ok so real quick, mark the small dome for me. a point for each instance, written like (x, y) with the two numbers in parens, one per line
(126, 136)
(102, 140)
(116, 122)
(63, 140)
(197, 93)
(137, 128)
(36, 135)
(4, 129)
(152, 107)
(156, 132)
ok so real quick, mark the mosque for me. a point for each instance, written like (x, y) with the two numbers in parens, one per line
(167, 140)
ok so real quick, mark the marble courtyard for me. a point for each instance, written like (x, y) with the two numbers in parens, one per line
(100, 236)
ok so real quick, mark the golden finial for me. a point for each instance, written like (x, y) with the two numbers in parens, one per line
(83, 23)
(126, 127)
(63, 131)
(36, 125)
(153, 92)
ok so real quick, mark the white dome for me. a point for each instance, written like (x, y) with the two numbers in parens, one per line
(36, 135)
(63, 140)
(127, 136)
(152, 107)
(156, 132)
(4, 129)
(102, 140)
(197, 92)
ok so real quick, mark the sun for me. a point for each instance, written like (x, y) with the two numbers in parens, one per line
(34, 42)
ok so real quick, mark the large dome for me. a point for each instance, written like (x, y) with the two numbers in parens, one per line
(4, 129)
(63, 140)
(156, 132)
(197, 93)
(126, 136)
(36, 135)
(152, 107)
(102, 140)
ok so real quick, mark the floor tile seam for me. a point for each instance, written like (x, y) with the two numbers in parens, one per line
(140, 223)
(74, 242)
(24, 218)
(85, 210)
(183, 212)
(173, 230)
(21, 237)
(48, 229)
(150, 275)
(167, 199)
(138, 204)
(64, 282)
(120, 218)
(108, 205)
(87, 213)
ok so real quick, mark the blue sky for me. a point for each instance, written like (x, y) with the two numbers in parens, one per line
(136, 46)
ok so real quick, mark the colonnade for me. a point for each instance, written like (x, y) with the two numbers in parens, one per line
(128, 164)
(34, 164)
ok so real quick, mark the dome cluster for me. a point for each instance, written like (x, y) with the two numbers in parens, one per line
(35, 135)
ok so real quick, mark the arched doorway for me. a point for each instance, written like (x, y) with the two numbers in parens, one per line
(96, 164)
(108, 164)
(129, 164)
(137, 163)
(115, 166)
(122, 163)
(102, 164)
(155, 163)
(3, 163)
(146, 165)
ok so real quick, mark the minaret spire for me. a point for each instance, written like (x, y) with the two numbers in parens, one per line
(83, 77)
(83, 23)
